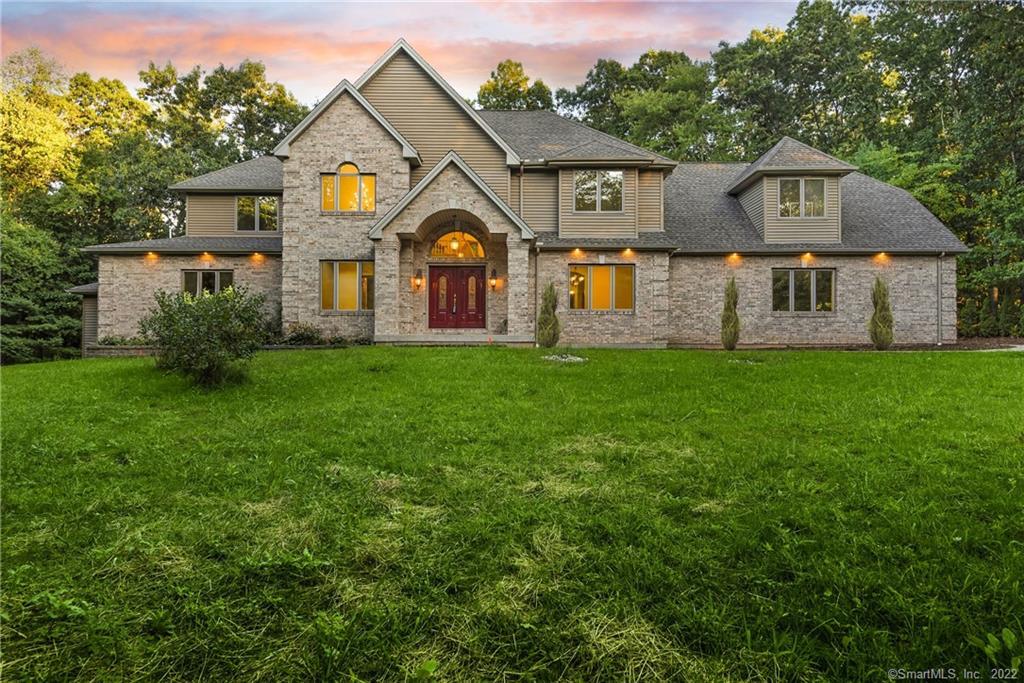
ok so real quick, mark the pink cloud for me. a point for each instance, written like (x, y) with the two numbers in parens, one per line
(310, 47)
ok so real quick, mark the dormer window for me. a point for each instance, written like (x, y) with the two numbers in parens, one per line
(801, 197)
(348, 190)
(597, 191)
(256, 213)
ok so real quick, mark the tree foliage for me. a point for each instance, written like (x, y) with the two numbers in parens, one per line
(509, 88)
(730, 318)
(880, 326)
(549, 327)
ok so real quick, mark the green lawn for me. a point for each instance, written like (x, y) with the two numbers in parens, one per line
(674, 514)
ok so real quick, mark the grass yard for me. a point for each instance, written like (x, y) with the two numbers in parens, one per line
(365, 512)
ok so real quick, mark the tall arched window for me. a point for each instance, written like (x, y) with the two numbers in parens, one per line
(348, 190)
(457, 244)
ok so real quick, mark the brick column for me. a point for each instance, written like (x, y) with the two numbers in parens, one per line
(519, 303)
(387, 284)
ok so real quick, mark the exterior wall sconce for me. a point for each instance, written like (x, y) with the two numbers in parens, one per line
(417, 280)
(494, 279)
(733, 259)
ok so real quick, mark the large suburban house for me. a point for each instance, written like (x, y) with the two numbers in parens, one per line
(396, 213)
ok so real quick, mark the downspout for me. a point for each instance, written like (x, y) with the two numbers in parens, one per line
(520, 188)
(938, 299)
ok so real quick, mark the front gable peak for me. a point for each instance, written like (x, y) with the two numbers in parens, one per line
(402, 46)
(343, 88)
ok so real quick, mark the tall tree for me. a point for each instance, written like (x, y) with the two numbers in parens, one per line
(593, 101)
(509, 88)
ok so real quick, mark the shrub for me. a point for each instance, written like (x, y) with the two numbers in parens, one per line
(880, 325)
(202, 337)
(549, 328)
(303, 334)
(730, 319)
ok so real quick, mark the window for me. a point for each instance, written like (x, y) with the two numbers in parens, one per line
(803, 290)
(598, 190)
(601, 288)
(256, 213)
(801, 197)
(195, 282)
(346, 285)
(348, 190)
(457, 245)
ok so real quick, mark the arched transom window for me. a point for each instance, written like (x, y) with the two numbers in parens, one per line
(457, 244)
(348, 190)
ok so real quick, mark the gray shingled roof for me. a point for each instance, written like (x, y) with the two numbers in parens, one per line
(790, 155)
(91, 289)
(228, 244)
(262, 174)
(876, 216)
(536, 135)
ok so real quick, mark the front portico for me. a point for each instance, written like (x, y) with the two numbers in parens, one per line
(453, 264)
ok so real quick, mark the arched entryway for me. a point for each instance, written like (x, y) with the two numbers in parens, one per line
(457, 276)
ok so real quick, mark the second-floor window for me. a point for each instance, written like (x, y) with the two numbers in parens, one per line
(256, 213)
(597, 190)
(801, 197)
(348, 190)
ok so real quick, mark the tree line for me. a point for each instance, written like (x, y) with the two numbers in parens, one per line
(928, 96)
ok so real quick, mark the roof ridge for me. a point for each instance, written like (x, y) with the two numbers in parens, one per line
(606, 135)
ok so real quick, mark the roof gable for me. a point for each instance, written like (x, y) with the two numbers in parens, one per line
(402, 46)
(789, 155)
(451, 158)
(345, 87)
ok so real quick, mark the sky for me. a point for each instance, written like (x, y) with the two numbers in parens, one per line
(309, 47)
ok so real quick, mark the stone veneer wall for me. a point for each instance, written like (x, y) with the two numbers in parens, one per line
(697, 284)
(344, 132)
(403, 311)
(647, 324)
(129, 283)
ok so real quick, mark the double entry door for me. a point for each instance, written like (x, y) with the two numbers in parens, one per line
(457, 296)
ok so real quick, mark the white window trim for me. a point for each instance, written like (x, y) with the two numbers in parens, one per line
(802, 180)
(359, 193)
(814, 290)
(199, 278)
(256, 211)
(590, 285)
(597, 204)
(359, 288)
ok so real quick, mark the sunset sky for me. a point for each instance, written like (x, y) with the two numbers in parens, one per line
(311, 46)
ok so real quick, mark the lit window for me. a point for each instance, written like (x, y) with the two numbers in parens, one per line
(803, 290)
(601, 288)
(248, 218)
(801, 197)
(597, 191)
(457, 245)
(346, 285)
(195, 282)
(348, 190)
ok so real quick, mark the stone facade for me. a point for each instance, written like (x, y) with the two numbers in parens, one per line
(405, 246)
(697, 285)
(344, 132)
(128, 284)
(646, 325)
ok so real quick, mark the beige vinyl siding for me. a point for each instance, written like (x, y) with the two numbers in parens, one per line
(540, 201)
(513, 193)
(596, 223)
(90, 320)
(424, 113)
(752, 201)
(651, 196)
(824, 229)
(208, 214)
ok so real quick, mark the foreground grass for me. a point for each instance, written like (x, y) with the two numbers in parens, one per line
(363, 512)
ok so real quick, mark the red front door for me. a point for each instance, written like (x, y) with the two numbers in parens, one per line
(457, 296)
